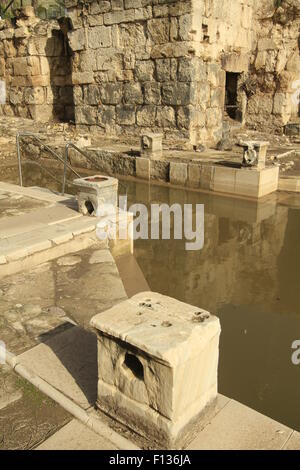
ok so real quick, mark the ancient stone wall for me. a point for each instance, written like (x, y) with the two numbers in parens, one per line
(273, 85)
(144, 65)
(223, 34)
(131, 65)
(156, 65)
(35, 69)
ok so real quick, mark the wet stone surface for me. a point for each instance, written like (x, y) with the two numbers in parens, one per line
(16, 204)
(42, 301)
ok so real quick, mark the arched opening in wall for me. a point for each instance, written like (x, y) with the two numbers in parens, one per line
(231, 95)
(59, 67)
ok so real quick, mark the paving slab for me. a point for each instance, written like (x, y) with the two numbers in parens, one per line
(237, 427)
(68, 362)
(12, 204)
(10, 226)
(76, 436)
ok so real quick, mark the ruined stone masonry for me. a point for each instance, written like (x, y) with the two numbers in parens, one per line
(36, 68)
(180, 68)
(156, 65)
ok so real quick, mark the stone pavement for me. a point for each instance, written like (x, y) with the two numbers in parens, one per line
(76, 436)
(45, 298)
(46, 232)
(27, 416)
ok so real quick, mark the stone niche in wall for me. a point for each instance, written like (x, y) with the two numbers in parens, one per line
(35, 67)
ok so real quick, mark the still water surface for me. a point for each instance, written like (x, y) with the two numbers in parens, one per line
(248, 274)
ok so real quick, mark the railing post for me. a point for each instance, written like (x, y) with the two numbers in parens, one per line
(65, 168)
(19, 158)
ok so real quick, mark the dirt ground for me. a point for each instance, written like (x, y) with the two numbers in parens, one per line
(27, 416)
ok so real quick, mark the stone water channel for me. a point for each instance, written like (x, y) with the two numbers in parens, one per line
(247, 274)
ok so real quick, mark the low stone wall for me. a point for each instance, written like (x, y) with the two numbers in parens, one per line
(35, 69)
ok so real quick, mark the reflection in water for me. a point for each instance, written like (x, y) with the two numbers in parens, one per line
(247, 273)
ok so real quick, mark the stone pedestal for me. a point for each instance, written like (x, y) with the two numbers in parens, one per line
(255, 153)
(157, 366)
(151, 146)
(97, 194)
(249, 182)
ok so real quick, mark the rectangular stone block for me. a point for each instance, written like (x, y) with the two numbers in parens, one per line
(194, 176)
(151, 145)
(224, 180)
(178, 173)
(207, 173)
(96, 194)
(157, 365)
(256, 183)
(142, 168)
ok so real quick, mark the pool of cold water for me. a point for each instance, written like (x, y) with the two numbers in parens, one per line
(247, 273)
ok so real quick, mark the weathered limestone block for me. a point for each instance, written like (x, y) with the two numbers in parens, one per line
(41, 112)
(20, 66)
(194, 175)
(178, 173)
(256, 183)
(176, 94)
(255, 153)
(81, 78)
(159, 30)
(119, 16)
(98, 195)
(34, 95)
(146, 115)
(111, 93)
(143, 168)
(86, 115)
(165, 117)
(133, 93)
(99, 36)
(152, 93)
(157, 366)
(151, 145)
(77, 39)
(144, 70)
(125, 114)
(106, 117)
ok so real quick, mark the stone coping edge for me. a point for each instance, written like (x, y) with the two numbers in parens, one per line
(91, 422)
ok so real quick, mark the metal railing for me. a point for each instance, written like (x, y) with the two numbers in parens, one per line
(44, 147)
(84, 154)
(64, 161)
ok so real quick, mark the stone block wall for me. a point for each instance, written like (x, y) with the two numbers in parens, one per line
(223, 33)
(35, 69)
(132, 68)
(157, 65)
(273, 85)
